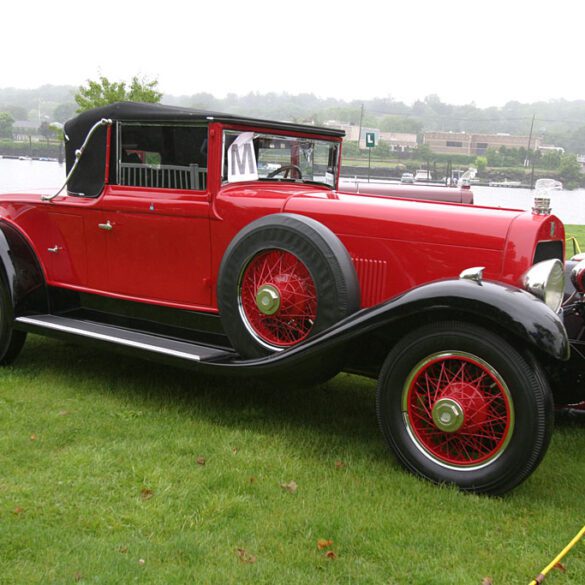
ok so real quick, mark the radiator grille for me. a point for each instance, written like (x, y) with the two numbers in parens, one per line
(548, 251)
(372, 278)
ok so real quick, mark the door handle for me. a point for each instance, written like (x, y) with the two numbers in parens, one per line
(105, 226)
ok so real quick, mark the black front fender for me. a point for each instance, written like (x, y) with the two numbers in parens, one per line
(508, 308)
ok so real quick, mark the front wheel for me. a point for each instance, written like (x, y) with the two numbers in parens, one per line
(458, 404)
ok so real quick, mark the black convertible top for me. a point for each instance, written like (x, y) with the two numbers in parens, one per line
(88, 180)
(137, 111)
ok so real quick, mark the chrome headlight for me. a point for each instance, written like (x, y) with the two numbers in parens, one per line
(546, 280)
(578, 276)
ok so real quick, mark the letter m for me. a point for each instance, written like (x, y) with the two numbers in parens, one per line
(239, 163)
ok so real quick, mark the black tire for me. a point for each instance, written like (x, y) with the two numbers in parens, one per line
(318, 265)
(11, 341)
(458, 404)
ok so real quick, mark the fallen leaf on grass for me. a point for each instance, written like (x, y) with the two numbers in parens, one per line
(487, 581)
(200, 460)
(123, 549)
(141, 561)
(18, 510)
(63, 412)
(78, 576)
(324, 543)
(290, 487)
(33, 437)
(235, 451)
(330, 555)
(252, 479)
(146, 493)
(560, 567)
(339, 464)
(245, 556)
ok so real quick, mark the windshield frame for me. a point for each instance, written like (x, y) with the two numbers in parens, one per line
(332, 141)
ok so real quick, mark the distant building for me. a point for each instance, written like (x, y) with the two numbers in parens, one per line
(398, 141)
(22, 129)
(351, 131)
(581, 161)
(474, 144)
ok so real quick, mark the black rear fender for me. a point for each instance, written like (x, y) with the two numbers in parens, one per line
(21, 272)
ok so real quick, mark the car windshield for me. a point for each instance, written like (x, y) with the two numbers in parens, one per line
(253, 156)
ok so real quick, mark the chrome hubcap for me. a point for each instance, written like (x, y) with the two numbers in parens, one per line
(448, 415)
(268, 299)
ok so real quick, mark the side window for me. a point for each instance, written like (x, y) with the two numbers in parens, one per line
(162, 156)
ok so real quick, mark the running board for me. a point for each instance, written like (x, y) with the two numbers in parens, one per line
(127, 338)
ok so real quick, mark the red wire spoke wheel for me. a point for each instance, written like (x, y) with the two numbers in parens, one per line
(278, 298)
(459, 404)
(282, 279)
(458, 409)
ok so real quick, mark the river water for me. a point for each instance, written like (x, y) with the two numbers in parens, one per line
(30, 175)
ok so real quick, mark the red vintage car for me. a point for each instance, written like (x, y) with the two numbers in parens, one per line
(223, 243)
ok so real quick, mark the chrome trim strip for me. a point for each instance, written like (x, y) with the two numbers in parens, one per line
(110, 338)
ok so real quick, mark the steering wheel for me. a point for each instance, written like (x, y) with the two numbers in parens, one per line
(286, 170)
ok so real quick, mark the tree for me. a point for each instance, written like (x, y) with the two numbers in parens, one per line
(570, 171)
(576, 141)
(400, 124)
(17, 112)
(45, 130)
(64, 112)
(494, 158)
(57, 132)
(6, 122)
(144, 90)
(424, 152)
(481, 163)
(551, 160)
(103, 92)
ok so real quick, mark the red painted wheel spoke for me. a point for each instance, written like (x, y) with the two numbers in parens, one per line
(297, 311)
(477, 396)
(460, 372)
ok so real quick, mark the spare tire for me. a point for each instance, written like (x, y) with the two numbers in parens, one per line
(284, 278)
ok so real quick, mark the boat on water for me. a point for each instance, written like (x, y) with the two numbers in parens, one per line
(549, 184)
(505, 183)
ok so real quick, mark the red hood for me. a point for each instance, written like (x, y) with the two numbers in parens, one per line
(407, 220)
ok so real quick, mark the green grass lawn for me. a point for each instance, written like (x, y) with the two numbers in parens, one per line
(577, 232)
(115, 470)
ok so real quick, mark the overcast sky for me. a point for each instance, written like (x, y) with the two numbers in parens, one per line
(487, 52)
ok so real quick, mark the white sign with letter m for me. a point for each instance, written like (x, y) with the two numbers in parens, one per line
(242, 159)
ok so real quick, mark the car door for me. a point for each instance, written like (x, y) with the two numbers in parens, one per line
(158, 244)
